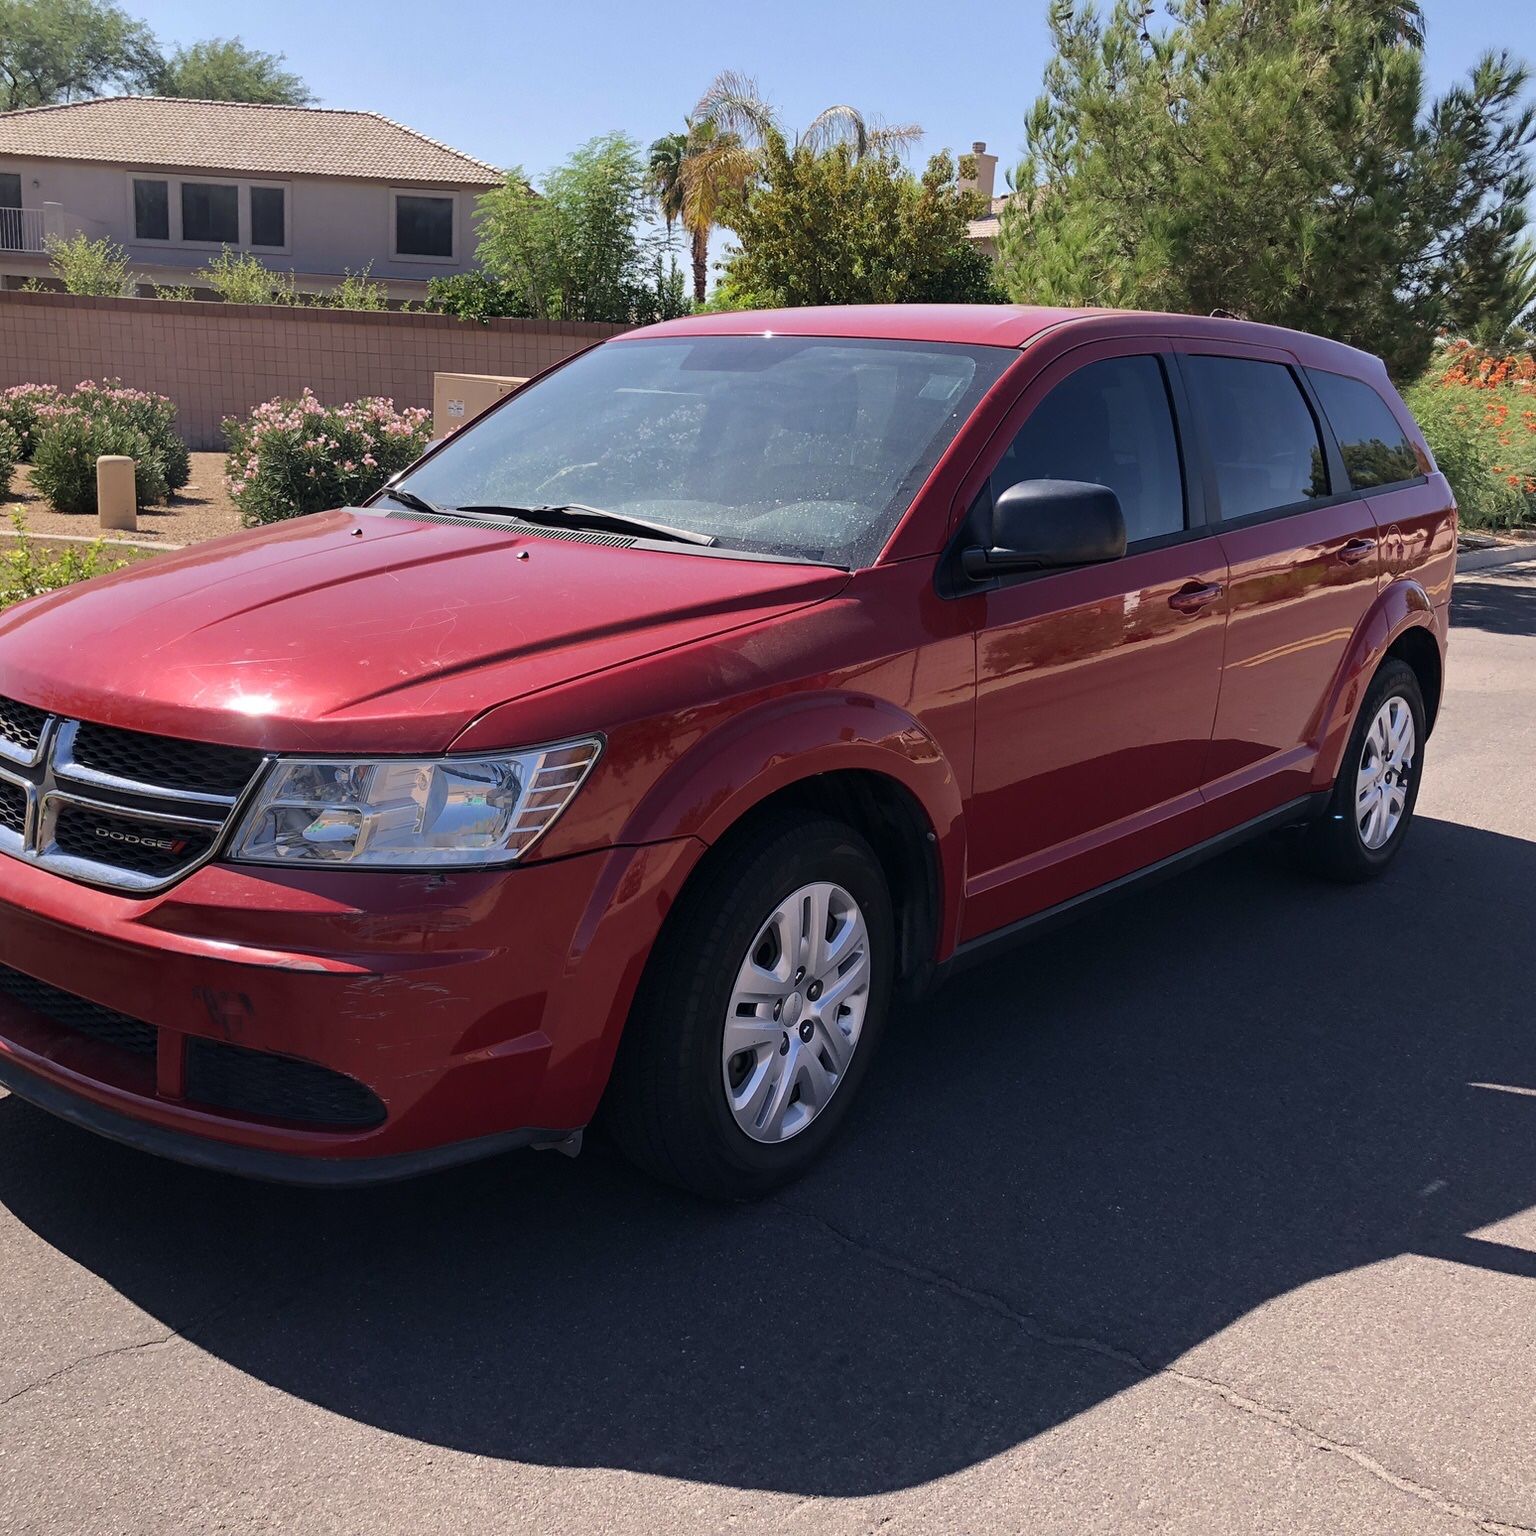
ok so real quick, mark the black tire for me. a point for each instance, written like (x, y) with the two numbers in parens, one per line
(666, 1104)
(1333, 845)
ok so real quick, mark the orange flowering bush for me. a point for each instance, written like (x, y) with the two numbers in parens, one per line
(1478, 410)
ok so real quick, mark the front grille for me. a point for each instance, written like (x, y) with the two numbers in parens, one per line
(271, 1087)
(13, 807)
(21, 728)
(193, 767)
(219, 1076)
(78, 1013)
(111, 807)
(126, 842)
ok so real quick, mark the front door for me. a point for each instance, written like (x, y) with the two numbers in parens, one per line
(1096, 687)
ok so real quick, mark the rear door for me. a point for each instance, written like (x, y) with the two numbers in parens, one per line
(1096, 687)
(1304, 553)
(10, 211)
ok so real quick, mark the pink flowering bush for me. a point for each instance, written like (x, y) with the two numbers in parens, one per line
(70, 431)
(18, 410)
(10, 454)
(291, 457)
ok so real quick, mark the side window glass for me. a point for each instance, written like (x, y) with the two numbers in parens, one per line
(1263, 440)
(1376, 450)
(1109, 423)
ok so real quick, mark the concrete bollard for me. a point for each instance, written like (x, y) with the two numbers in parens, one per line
(116, 503)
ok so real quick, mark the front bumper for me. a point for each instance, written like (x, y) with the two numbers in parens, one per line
(480, 1010)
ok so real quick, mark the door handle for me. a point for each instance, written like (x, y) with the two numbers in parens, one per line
(1195, 596)
(1357, 550)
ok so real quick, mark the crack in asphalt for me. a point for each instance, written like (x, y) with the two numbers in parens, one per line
(99, 1354)
(1252, 1407)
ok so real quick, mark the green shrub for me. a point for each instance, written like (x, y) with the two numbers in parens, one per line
(153, 415)
(10, 456)
(1478, 413)
(476, 296)
(178, 293)
(357, 290)
(25, 571)
(64, 465)
(292, 457)
(95, 267)
(239, 278)
(19, 406)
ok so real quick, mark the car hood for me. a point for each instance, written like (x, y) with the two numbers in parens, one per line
(348, 630)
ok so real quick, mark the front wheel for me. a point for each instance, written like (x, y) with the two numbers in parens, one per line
(759, 1012)
(1378, 784)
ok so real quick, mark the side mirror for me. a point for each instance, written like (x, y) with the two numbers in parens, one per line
(1042, 525)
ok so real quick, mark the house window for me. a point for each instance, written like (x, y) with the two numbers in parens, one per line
(151, 210)
(210, 213)
(268, 218)
(423, 226)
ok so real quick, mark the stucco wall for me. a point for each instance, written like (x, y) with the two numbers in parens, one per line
(332, 225)
(218, 360)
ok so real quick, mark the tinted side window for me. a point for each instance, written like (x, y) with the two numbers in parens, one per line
(1109, 424)
(1376, 449)
(1263, 440)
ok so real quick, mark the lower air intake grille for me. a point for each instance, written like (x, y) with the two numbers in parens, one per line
(224, 1077)
(79, 1014)
(276, 1087)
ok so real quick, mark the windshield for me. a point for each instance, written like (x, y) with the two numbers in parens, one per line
(802, 446)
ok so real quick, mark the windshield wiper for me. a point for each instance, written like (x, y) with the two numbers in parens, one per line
(412, 500)
(577, 514)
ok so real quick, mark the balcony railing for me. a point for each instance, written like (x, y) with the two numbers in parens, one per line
(21, 229)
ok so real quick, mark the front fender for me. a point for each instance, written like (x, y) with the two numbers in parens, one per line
(732, 769)
(1400, 606)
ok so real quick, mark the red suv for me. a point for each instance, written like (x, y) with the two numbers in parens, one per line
(631, 753)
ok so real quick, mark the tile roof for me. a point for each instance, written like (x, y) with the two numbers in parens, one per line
(238, 138)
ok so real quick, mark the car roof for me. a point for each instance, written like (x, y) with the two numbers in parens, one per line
(1004, 325)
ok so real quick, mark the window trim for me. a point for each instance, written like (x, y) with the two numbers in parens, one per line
(1331, 457)
(1034, 388)
(177, 240)
(447, 195)
(238, 243)
(1338, 447)
(248, 227)
(135, 238)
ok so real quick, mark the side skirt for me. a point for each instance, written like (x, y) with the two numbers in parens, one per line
(985, 945)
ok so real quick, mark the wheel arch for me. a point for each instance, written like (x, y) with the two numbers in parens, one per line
(860, 759)
(1400, 622)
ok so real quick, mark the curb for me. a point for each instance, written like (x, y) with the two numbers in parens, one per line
(1491, 559)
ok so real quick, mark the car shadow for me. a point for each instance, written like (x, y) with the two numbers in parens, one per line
(1501, 607)
(1135, 1131)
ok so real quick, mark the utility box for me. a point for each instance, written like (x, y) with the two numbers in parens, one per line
(457, 398)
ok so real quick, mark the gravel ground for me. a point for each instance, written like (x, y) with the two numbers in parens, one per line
(201, 510)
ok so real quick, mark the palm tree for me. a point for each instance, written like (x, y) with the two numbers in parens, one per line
(704, 172)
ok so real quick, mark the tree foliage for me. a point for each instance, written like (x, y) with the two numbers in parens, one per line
(55, 51)
(1274, 159)
(578, 247)
(224, 69)
(831, 227)
(64, 50)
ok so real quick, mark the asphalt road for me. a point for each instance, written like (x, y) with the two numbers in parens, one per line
(1214, 1213)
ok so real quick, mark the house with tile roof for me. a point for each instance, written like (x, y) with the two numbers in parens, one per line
(310, 191)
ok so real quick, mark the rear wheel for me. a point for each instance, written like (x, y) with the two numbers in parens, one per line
(1374, 795)
(759, 1012)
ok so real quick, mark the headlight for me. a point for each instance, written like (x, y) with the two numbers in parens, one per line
(411, 813)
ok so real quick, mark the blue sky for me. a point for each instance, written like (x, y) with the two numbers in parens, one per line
(512, 82)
